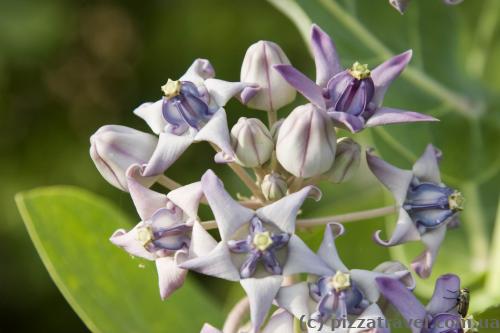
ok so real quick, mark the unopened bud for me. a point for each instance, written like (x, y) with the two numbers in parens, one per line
(274, 186)
(252, 142)
(347, 159)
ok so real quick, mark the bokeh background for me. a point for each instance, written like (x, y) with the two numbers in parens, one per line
(69, 67)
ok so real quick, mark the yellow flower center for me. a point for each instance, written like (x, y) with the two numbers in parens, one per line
(144, 235)
(359, 71)
(262, 240)
(456, 201)
(340, 281)
(171, 88)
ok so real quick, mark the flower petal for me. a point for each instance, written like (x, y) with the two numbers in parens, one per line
(295, 299)
(261, 293)
(328, 251)
(395, 179)
(384, 74)
(403, 299)
(280, 322)
(201, 241)
(216, 263)
(398, 271)
(325, 56)
(301, 259)
(170, 148)
(187, 198)
(170, 277)
(129, 242)
(221, 91)
(372, 314)
(248, 93)
(404, 232)
(283, 212)
(153, 115)
(199, 71)
(445, 323)
(432, 239)
(217, 132)
(385, 116)
(427, 166)
(146, 201)
(303, 84)
(207, 328)
(228, 213)
(347, 121)
(446, 292)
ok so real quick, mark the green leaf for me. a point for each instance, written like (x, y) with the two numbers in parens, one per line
(108, 289)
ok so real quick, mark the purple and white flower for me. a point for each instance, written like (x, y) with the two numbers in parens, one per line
(190, 111)
(352, 97)
(167, 231)
(343, 294)
(257, 248)
(427, 207)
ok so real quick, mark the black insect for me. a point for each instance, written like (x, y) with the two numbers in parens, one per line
(463, 300)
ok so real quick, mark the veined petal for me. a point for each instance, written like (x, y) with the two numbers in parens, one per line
(146, 201)
(328, 251)
(229, 214)
(427, 166)
(280, 322)
(152, 115)
(424, 262)
(221, 91)
(446, 292)
(347, 121)
(170, 148)
(295, 299)
(301, 259)
(325, 56)
(283, 212)
(217, 132)
(384, 74)
(216, 263)
(170, 277)
(385, 116)
(198, 72)
(130, 243)
(371, 314)
(403, 299)
(303, 84)
(404, 232)
(187, 198)
(395, 179)
(261, 293)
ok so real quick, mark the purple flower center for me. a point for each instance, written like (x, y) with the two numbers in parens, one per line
(156, 239)
(260, 246)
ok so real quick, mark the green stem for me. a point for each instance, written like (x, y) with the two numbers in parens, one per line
(168, 183)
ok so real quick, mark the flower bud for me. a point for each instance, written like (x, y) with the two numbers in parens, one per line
(274, 186)
(252, 142)
(347, 160)
(114, 148)
(306, 142)
(273, 92)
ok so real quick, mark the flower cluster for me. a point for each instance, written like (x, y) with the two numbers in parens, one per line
(257, 244)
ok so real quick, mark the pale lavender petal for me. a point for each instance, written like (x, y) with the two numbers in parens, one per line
(325, 56)
(170, 148)
(427, 166)
(165, 218)
(301, 259)
(347, 121)
(283, 212)
(129, 242)
(228, 213)
(432, 239)
(216, 263)
(295, 299)
(217, 132)
(146, 201)
(207, 328)
(152, 115)
(170, 277)
(187, 198)
(201, 241)
(395, 179)
(365, 281)
(261, 293)
(222, 91)
(398, 271)
(303, 84)
(403, 299)
(372, 313)
(248, 93)
(446, 292)
(384, 74)
(445, 323)
(404, 232)
(385, 116)
(328, 251)
(280, 322)
(198, 72)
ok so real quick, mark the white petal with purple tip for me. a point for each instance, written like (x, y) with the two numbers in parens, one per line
(170, 277)
(385, 116)
(187, 198)
(130, 243)
(198, 72)
(325, 56)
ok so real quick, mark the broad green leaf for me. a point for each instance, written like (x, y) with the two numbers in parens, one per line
(108, 289)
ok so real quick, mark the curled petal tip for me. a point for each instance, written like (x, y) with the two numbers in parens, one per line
(223, 158)
(377, 239)
(315, 193)
(248, 93)
(336, 229)
(116, 234)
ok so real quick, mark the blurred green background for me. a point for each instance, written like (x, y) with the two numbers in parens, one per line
(69, 67)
